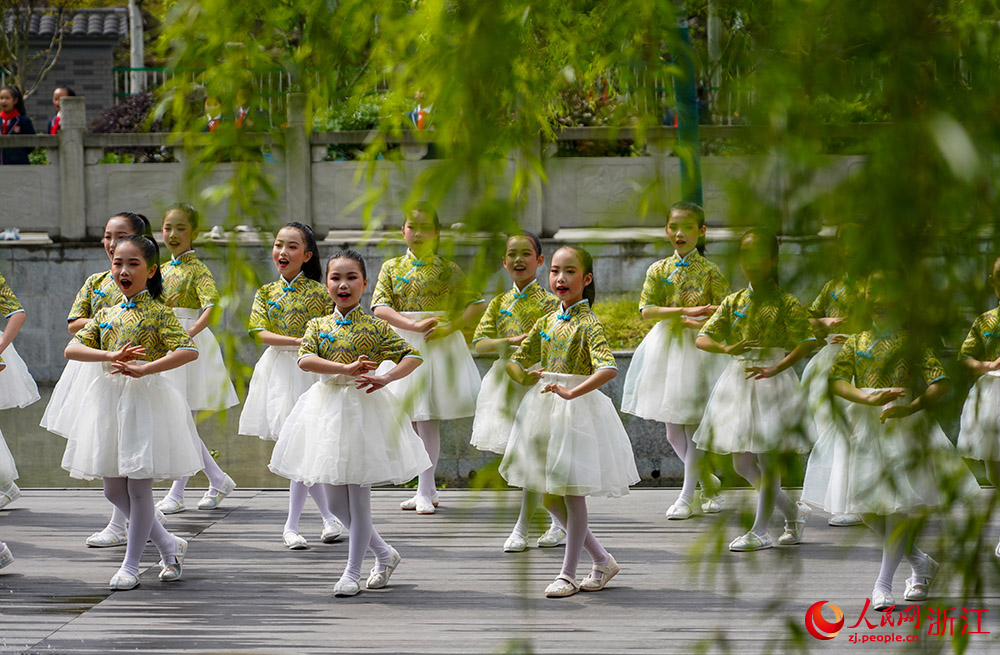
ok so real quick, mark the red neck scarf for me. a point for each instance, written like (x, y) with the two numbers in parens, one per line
(8, 118)
(55, 124)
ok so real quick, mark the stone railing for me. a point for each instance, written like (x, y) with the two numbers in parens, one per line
(72, 198)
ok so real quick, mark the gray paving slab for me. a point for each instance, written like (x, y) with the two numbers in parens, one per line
(456, 592)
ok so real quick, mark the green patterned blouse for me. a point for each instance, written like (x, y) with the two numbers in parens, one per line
(408, 284)
(567, 341)
(683, 282)
(514, 311)
(879, 360)
(844, 298)
(983, 341)
(775, 320)
(9, 304)
(285, 307)
(99, 291)
(343, 339)
(141, 321)
(188, 283)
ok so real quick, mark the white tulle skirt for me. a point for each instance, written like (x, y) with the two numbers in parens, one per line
(8, 471)
(904, 465)
(496, 407)
(569, 447)
(69, 396)
(204, 382)
(756, 416)
(275, 387)
(669, 378)
(133, 427)
(446, 385)
(337, 434)
(979, 436)
(17, 387)
(825, 482)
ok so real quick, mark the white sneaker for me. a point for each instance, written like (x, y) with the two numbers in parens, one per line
(213, 497)
(515, 544)
(679, 511)
(425, 505)
(107, 539)
(553, 537)
(123, 581)
(170, 506)
(411, 503)
(9, 496)
(881, 601)
(294, 541)
(332, 530)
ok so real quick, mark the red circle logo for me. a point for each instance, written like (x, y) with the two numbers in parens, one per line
(821, 628)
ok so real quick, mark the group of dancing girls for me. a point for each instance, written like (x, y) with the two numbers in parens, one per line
(878, 458)
(354, 399)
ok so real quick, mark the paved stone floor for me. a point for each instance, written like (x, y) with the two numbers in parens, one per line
(455, 592)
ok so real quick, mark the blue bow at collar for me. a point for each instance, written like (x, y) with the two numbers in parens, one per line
(288, 289)
(682, 263)
(545, 335)
(417, 262)
(326, 335)
(563, 317)
(343, 322)
(175, 262)
(520, 296)
(128, 305)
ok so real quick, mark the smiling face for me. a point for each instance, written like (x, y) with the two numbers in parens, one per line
(345, 282)
(7, 101)
(57, 97)
(567, 278)
(289, 252)
(757, 261)
(130, 269)
(521, 260)
(116, 228)
(420, 233)
(177, 232)
(683, 231)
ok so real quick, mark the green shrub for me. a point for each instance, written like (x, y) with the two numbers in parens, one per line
(623, 324)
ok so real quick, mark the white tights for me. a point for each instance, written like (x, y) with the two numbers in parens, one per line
(572, 512)
(529, 503)
(898, 535)
(216, 476)
(430, 433)
(681, 438)
(297, 492)
(352, 504)
(762, 471)
(134, 498)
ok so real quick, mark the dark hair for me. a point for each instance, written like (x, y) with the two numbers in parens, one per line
(349, 254)
(311, 268)
(194, 219)
(771, 240)
(151, 253)
(18, 98)
(424, 207)
(137, 222)
(691, 208)
(993, 265)
(589, 291)
(69, 91)
(531, 236)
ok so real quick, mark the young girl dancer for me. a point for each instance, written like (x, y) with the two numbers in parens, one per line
(669, 379)
(278, 318)
(505, 325)
(757, 410)
(979, 437)
(69, 394)
(17, 387)
(568, 442)
(346, 432)
(428, 300)
(135, 427)
(901, 462)
(837, 312)
(189, 288)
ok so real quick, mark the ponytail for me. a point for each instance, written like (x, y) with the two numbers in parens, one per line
(312, 268)
(140, 224)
